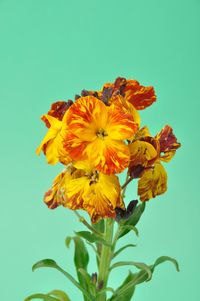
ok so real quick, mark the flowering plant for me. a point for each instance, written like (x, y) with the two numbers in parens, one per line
(96, 137)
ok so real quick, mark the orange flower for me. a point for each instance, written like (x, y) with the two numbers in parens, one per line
(97, 132)
(83, 187)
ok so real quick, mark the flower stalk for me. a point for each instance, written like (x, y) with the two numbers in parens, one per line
(105, 259)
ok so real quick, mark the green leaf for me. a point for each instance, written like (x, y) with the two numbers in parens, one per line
(68, 240)
(129, 228)
(128, 293)
(41, 296)
(62, 296)
(45, 263)
(164, 259)
(81, 260)
(122, 249)
(92, 237)
(133, 219)
(49, 263)
(141, 277)
(138, 265)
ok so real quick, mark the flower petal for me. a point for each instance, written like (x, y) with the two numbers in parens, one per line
(168, 143)
(152, 183)
(141, 152)
(101, 198)
(53, 197)
(139, 96)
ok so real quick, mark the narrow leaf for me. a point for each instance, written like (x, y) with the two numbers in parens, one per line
(42, 297)
(139, 265)
(62, 296)
(122, 249)
(164, 259)
(128, 293)
(91, 237)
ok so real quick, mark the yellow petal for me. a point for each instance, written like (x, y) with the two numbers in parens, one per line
(141, 153)
(152, 183)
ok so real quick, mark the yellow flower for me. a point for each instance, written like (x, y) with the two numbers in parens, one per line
(83, 187)
(153, 182)
(97, 132)
(149, 151)
(52, 144)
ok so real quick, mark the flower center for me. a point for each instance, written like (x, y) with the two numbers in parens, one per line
(101, 133)
(94, 177)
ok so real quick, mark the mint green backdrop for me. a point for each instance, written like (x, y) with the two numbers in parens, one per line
(51, 50)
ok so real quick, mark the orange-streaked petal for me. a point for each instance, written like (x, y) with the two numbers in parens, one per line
(120, 125)
(142, 133)
(108, 156)
(100, 200)
(86, 116)
(141, 152)
(139, 96)
(53, 197)
(127, 108)
(152, 183)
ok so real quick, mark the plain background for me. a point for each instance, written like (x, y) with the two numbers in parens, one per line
(51, 50)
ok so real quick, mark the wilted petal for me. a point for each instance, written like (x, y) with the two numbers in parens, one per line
(168, 143)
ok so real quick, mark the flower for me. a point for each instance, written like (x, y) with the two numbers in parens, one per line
(81, 186)
(146, 152)
(97, 132)
(52, 143)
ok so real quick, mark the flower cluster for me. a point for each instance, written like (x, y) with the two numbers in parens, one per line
(97, 136)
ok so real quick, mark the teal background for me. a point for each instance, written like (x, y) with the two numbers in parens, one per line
(51, 50)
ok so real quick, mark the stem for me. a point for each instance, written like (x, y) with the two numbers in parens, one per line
(127, 182)
(105, 259)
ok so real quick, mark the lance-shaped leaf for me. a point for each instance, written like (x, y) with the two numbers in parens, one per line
(43, 297)
(122, 249)
(140, 277)
(133, 219)
(81, 260)
(62, 296)
(128, 293)
(138, 265)
(92, 237)
(49, 263)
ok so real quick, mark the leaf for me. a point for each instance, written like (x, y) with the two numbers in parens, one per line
(129, 227)
(45, 263)
(68, 240)
(49, 263)
(133, 219)
(62, 296)
(139, 265)
(92, 237)
(122, 249)
(41, 296)
(81, 260)
(164, 259)
(140, 277)
(128, 293)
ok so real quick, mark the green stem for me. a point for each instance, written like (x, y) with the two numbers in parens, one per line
(105, 259)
